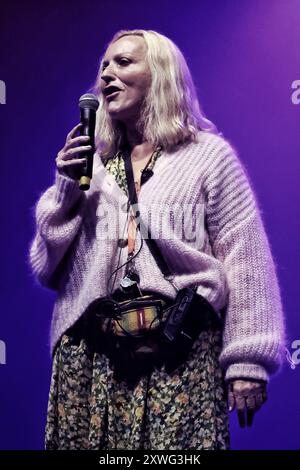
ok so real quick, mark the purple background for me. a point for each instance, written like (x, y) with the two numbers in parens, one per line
(244, 56)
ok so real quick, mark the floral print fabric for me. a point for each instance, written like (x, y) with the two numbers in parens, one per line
(90, 409)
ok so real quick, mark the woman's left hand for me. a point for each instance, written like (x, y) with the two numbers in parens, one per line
(247, 396)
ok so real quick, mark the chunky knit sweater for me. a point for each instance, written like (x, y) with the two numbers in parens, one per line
(202, 210)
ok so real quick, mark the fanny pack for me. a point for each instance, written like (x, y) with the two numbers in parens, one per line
(133, 317)
(145, 332)
(139, 316)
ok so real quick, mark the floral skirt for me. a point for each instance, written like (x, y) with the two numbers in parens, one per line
(90, 408)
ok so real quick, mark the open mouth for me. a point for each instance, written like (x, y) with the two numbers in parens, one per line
(111, 91)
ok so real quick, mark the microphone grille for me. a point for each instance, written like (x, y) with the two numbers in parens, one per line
(89, 101)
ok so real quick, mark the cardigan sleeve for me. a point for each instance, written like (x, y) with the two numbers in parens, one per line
(253, 336)
(58, 216)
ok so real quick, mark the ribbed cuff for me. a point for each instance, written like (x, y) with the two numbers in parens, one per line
(67, 188)
(246, 371)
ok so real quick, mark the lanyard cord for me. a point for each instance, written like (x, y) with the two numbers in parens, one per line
(128, 261)
(145, 232)
(151, 243)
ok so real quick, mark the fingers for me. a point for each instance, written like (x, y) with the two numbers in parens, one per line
(248, 397)
(68, 159)
(241, 408)
(246, 408)
(64, 163)
(71, 152)
(251, 408)
(259, 400)
(81, 139)
(69, 167)
(73, 131)
(251, 401)
(73, 141)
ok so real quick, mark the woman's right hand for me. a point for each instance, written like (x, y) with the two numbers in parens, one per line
(66, 161)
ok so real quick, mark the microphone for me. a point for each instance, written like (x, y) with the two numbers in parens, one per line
(88, 105)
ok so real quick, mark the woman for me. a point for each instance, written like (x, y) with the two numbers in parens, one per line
(148, 105)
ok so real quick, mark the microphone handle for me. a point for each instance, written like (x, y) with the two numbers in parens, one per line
(88, 120)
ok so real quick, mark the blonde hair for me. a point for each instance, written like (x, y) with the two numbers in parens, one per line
(170, 114)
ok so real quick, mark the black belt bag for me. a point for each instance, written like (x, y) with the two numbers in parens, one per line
(167, 345)
(190, 315)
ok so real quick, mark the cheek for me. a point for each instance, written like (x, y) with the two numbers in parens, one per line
(136, 83)
(138, 90)
(134, 93)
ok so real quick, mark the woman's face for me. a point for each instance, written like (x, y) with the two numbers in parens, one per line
(125, 78)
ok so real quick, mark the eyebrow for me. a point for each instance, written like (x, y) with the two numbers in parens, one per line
(117, 56)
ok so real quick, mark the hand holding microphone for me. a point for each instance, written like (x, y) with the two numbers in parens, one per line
(75, 159)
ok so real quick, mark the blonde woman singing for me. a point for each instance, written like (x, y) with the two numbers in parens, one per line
(87, 247)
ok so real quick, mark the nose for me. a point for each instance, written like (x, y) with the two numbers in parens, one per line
(108, 74)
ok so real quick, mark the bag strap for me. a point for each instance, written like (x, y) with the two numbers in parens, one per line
(152, 245)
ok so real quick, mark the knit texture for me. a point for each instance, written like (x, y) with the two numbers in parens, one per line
(201, 208)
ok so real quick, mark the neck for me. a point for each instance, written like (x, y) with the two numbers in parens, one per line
(134, 137)
(137, 144)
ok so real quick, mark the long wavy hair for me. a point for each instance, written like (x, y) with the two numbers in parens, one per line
(170, 114)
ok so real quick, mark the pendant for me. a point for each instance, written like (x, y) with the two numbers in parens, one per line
(127, 282)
